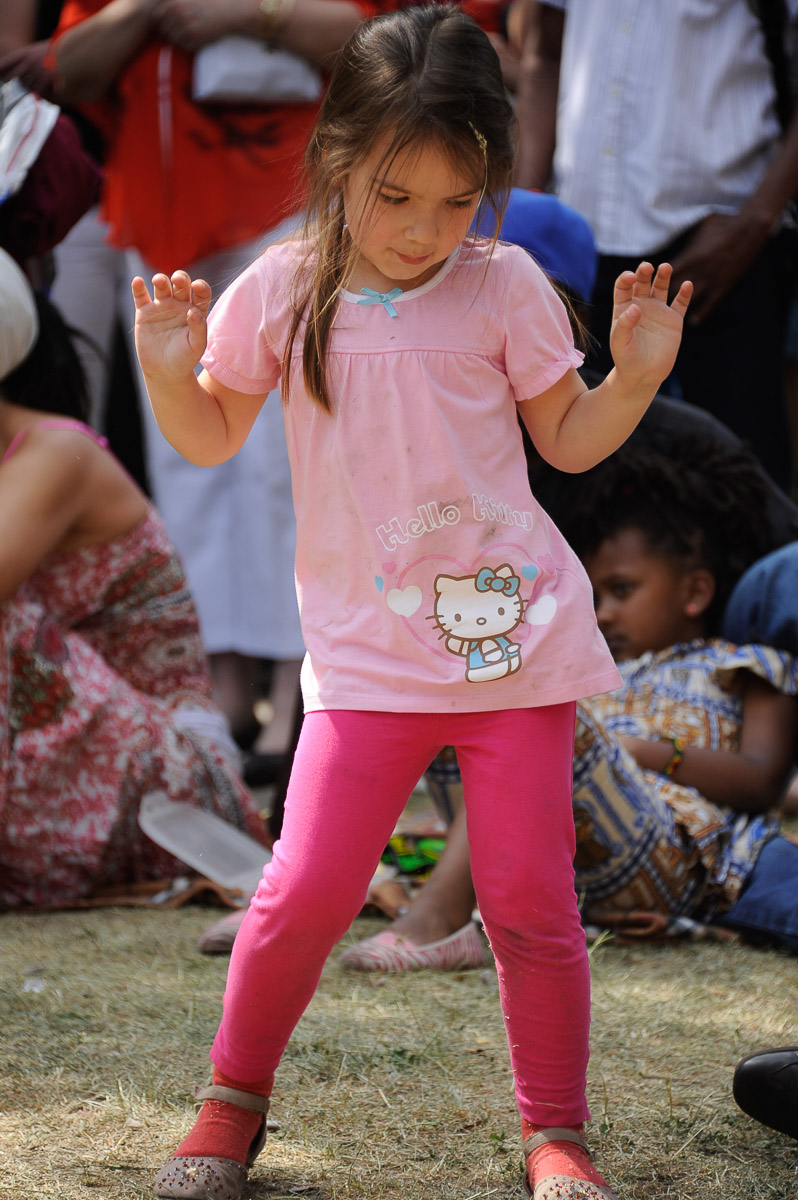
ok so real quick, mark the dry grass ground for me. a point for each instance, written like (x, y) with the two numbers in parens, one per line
(391, 1087)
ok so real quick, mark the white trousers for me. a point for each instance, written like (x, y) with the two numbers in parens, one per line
(91, 288)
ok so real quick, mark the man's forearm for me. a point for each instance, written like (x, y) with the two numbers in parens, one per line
(537, 123)
(779, 185)
(90, 57)
(538, 30)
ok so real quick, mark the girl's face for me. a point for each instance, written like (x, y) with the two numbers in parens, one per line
(407, 216)
(644, 600)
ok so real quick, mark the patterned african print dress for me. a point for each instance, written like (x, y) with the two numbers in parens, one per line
(644, 841)
(104, 697)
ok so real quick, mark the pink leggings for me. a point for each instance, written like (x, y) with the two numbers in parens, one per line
(352, 775)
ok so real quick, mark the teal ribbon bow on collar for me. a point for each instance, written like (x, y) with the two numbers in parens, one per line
(383, 298)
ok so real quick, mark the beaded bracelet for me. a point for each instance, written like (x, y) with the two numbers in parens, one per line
(677, 755)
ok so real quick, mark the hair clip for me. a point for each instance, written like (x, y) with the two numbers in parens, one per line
(481, 139)
(482, 142)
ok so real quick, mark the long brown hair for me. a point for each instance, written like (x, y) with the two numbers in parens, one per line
(419, 76)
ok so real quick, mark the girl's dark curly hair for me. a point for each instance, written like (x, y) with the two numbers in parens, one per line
(51, 379)
(702, 506)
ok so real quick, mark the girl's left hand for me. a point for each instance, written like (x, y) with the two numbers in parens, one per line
(646, 330)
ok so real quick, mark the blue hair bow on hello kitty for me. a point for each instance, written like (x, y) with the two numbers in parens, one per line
(488, 581)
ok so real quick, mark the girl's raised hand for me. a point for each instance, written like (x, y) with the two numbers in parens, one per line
(646, 330)
(170, 329)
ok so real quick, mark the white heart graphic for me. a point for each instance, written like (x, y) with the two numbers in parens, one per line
(404, 601)
(543, 611)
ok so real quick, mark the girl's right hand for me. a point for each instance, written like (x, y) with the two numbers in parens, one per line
(171, 330)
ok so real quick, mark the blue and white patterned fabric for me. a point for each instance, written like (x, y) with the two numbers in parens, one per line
(644, 841)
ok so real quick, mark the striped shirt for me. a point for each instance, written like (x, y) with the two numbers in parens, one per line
(666, 113)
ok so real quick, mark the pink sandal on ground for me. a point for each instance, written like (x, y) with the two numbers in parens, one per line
(390, 952)
(563, 1187)
(219, 937)
(196, 1177)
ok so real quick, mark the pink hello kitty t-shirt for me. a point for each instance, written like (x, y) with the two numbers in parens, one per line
(429, 579)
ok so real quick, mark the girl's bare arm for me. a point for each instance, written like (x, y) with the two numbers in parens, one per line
(42, 496)
(203, 419)
(754, 778)
(574, 427)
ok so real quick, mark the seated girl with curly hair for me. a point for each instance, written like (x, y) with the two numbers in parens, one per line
(678, 774)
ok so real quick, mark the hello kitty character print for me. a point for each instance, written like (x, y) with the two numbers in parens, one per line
(475, 614)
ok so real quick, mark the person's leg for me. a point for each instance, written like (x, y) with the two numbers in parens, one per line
(275, 737)
(352, 775)
(767, 908)
(337, 823)
(446, 901)
(235, 690)
(630, 854)
(732, 363)
(516, 769)
(88, 291)
(444, 784)
(436, 932)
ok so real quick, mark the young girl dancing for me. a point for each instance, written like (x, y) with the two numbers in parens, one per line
(439, 603)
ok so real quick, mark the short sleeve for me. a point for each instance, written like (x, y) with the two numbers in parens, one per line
(776, 667)
(243, 350)
(539, 346)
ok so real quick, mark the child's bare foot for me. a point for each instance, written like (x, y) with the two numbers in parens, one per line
(422, 924)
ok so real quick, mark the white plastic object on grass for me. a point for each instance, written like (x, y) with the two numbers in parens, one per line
(205, 842)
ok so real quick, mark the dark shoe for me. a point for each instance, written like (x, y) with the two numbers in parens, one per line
(261, 770)
(245, 732)
(765, 1087)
